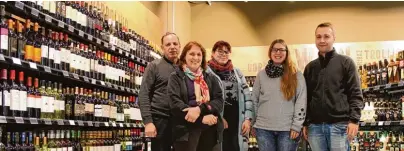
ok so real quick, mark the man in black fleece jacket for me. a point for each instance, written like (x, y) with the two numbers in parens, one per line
(334, 97)
(153, 98)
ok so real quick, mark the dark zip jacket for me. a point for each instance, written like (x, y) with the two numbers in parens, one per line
(333, 90)
(178, 92)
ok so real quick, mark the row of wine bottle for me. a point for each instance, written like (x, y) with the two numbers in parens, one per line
(72, 140)
(56, 50)
(50, 100)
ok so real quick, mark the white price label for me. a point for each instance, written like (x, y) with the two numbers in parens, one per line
(32, 65)
(71, 122)
(81, 33)
(16, 61)
(71, 28)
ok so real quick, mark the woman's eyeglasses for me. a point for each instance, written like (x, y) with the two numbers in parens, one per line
(275, 50)
(223, 52)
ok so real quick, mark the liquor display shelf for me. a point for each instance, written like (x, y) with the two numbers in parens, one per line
(25, 11)
(61, 122)
(381, 123)
(65, 74)
(390, 88)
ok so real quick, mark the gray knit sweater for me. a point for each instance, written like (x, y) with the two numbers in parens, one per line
(272, 111)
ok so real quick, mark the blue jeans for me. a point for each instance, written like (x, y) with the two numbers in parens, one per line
(328, 137)
(275, 140)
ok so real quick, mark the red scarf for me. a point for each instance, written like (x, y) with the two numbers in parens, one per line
(220, 68)
(200, 86)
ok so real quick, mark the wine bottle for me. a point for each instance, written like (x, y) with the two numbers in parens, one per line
(6, 98)
(22, 95)
(3, 32)
(14, 95)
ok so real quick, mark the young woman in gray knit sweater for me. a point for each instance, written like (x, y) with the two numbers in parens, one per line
(279, 99)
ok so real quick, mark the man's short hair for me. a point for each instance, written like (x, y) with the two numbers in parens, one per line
(326, 24)
(169, 33)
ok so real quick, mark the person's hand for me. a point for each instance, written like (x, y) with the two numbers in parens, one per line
(209, 119)
(245, 127)
(352, 131)
(293, 134)
(226, 125)
(193, 114)
(150, 130)
(305, 133)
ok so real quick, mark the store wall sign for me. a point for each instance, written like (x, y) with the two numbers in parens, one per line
(252, 59)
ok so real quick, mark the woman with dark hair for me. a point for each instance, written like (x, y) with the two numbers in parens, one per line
(279, 97)
(196, 103)
(238, 107)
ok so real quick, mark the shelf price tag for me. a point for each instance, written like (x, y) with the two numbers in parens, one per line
(120, 125)
(363, 124)
(86, 79)
(377, 87)
(47, 69)
(102, 82)
(32, 65)
(48, 121)
(105, 45)
(402, 122)
(65, 73)
(114, 86)
(373, 124)
(132, 56)
(19, 120)
(113, 47)
(127, 89)
(33, 120)
(48, 19)
(16, 61)
(61, 24)
(127, 124)
(70, 28)
(71, 122)
(109, 84)
(34, 12)
(401, 83)
(19, 5)
(97, 124)
(93, 81)
(380, 123)
(60, 122)
(366, 90)
(122, 88)
(106, 124)
(76, 76)
(81, 33)
(3, 119)
(98, 41)
(2, 57)
(388, 85)
(80, 123)
(120, 50)
(113, 124)
(90, 37)
(90, 123)
(387, 123)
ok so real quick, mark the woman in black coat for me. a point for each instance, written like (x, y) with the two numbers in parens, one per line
(196, 101)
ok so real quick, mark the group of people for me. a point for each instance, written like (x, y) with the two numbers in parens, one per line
(192, 103)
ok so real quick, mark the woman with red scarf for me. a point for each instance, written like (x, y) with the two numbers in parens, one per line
(196, 102)
(238, 107)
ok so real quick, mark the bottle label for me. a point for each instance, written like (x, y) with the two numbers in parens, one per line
(68, 110)
(1, 99)
(6, 96)
(69, 148)
(105, 110)
(51, 53)
(51, 101)
(59, 149)
(29, 52)
(13, 43)
(38, 102)
(57, 56)
(45, 104)
(113, 112)
(117, 147)
(65, 149)
(67, 56)
(37, 54)
(73, 14)
(68, 11)
(4, 38)
(61, 105)
(52, 149)
(23, 100)
(52, 7)
(15, 100)
(56, 105)
(76, 109)
(31, 101)
(45, 50)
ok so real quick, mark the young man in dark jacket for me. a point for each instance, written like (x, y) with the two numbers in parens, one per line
(334, 97)
(153, 98)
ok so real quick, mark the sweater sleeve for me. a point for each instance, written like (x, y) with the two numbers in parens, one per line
(255, 96)
(300, 104)
(144, 94)
(249, 111)
(354, 93)
(307, 75)
(174, 92)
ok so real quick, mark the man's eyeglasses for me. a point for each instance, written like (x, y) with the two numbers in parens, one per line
(223, 52)
(275, 50)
